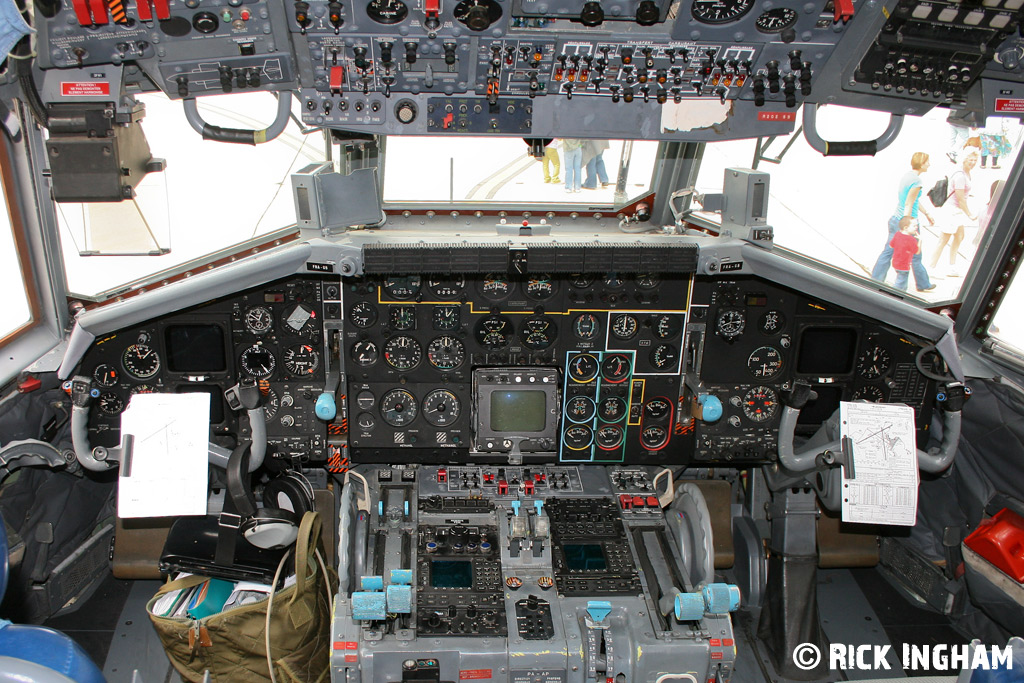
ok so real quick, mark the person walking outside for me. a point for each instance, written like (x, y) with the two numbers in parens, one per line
(908, 203)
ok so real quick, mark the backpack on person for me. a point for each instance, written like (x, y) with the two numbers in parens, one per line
(939, 192)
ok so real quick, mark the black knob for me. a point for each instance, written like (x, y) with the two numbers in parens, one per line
(592, 14)
(410, 52)
(360, 58)
(385, 53)
(182, 86)
(647, 13)
(794, 60)
(477, 17)
(532, 603)
(626, 55)
(205, 22)
(449, 53)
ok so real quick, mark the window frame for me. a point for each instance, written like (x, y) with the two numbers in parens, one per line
(21, 248)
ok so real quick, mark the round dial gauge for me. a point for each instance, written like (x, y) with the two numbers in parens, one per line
(403, 287)
(666, 326)
(776, 20)
(258, 361)
(402, 352)
(869, 393)
(402, 318)
(657, 408)
(765, 362)
(581, 281)
(143, 389)
(609, 437)
(259, 320)
(301, 360)
(873, 363)
(624, 326)
(495, 287)
(586, 326)
(580, 409)
(300, 318)
(110, 403)
(105, 375)
(494, 331)
(540, 287)
(140, 361)
(720, 11)
(441, 407)
(578, 437)
(363, 315)
(647, 281)
(583, 367)
(654, 437)
(270, 405)
(447, 288)
(730, 323)
(760, 404)
(538, 333)
(613, 281)
(446, 318)
(772, 322)
(365, 353)
(612, 409)
(615, 368)
(664, 356)
(446, 353)
(398, 407)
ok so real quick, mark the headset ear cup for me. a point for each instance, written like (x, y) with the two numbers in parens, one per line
(290, 492)
(271, 528)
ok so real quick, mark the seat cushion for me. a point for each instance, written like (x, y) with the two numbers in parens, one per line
(49, 648)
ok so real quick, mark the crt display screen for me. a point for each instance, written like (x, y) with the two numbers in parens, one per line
(586, 557)
(195, 348)
(451, 574)
(821, 408)
(216, 398)
(518, 411)
(827, 351)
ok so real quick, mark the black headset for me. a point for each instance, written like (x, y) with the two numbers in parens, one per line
(288, 498)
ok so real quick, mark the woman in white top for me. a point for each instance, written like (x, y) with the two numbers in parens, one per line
(958, 214)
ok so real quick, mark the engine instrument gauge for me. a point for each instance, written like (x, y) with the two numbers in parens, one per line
(538, 333)
(616, 367)
(873, 363)
(300, 318)
(586, 326)
(494, 287)
(270, 405)
(363, 315)
(647, 281)
(720, 11)
(657, 408)
(301, 360)
(398, 407)
(541, 287)
(365, 353)
(612, 409)
(446, 353)
(730, 323)
(654, 437)
(403, 352)
(765, 362)
(387, 12)
(760, 404)
(578, 437)
(664, 356)
(666, 326)
(105, 375)
(869, 393)
(772, 322)
(140, 361)
(613, 281)
(403, 287)
(624, 326)
(494, 331)
(143, 389)
(110, 403)
(776, 20)
(446, 318)
(402, 318)
(581, 281)
(580, 409)
(609, 437)
(258, 361)
(441, 407)
(259, 320)
(583, 368)
(447, 288)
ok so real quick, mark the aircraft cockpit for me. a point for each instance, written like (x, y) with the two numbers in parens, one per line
(511, 341)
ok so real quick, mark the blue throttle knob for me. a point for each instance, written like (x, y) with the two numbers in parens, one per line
(721, 598)
(711, 407)
(689, 606)
(325, 407)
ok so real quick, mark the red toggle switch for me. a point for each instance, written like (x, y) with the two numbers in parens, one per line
(442, 473)
(432, 9)
(638, 501)
(502, 485)
(843, 10)
(337, 81)
(90, 12)
(626, 501)
(449, 118)
(528, 488)
(163, 9)
(652, 502)
(144, 10)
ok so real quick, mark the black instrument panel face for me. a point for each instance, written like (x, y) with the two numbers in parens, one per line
(274, 334)
(419, 350)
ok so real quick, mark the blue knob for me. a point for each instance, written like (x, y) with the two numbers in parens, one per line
(721, 598)
(711, 407)
(399, 599)
(325, 407)
(689, 606)
(539, 504)
(515, 507)
(369, 606)
(599, 609)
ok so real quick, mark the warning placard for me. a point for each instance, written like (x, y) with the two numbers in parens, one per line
(1010, 106)
(85, 89)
